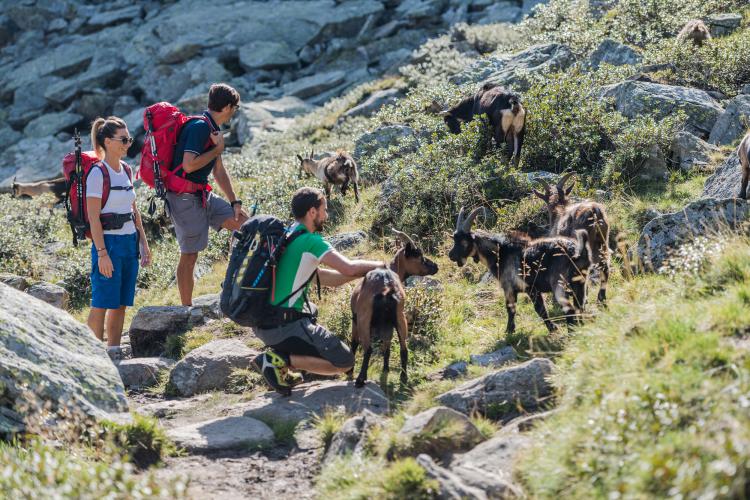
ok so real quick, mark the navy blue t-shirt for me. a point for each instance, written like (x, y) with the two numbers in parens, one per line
(193, 138)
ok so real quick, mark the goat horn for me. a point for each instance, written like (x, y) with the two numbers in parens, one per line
(404, 237)
(460, 219)
(564, 179)
(470, 219)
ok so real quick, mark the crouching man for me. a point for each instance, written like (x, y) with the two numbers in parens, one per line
(300, 343)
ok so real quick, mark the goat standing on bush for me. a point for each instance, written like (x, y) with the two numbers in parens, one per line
(743, 151)
(566, 217)
(503, 108)
(554, 264)
(378, 306)
(339, 169)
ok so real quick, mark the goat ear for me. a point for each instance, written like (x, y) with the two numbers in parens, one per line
(300, 158)
(570, 188)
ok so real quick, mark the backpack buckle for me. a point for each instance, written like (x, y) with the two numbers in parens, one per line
(254, 244)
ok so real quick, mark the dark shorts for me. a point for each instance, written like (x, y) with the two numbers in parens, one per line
(192, 220)
(305, 338)
(119, 290)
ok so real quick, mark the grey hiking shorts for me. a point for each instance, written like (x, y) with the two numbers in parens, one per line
(192, 220)
(305, 338)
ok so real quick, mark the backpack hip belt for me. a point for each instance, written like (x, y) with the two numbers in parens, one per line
(111, 221)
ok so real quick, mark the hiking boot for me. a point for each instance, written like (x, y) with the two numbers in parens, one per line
(270, 365)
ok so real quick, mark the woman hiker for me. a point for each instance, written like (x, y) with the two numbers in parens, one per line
(115, 250)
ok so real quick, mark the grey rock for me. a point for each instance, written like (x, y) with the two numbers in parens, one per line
(58, 24)
(351, 439)
(725, 181)
(615, 54)
(345, 241)
(228, 433)
(501, 12)
(374, 102)
(51, 294)
(179, 51)
(171, 408)
(91, 106)
(724, 24)
(732, 124)
(666, 233)
(632, 98)
(97, 75)
(426, 282)
(123, 105)
(29, 18)
(420, 9)
(111, 17)
(529, 6)
(455, 370)
(689, 152)
(8, 136)
(60, 61)
(745, 90)
(46, 353)
(51, 123)
(138, 373)
(21, 160)
(439, 431)
(404, 139)
(514, 70)
(18, 282)
(208, 305)
(313, 85)
(209, 366)
(267, 54)
(29, 101)
(452, 487)
(502, 391)
(497, 358)
(316, 397)
(151, 326)
(267, 114)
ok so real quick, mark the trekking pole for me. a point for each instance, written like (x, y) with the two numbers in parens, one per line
(79, 228)
(161, 192)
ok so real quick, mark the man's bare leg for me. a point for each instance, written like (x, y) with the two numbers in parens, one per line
(96, 321)
(185, 280)
(115, 320)
(315, 365)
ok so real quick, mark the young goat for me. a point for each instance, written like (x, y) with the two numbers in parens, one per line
(695, 30)
(32, 189)
(554, 264)
(378, 306)
(339, 169)
(743, 150)
(566, 217)
(503, 108)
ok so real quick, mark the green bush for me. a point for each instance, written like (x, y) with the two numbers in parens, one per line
(143, 440)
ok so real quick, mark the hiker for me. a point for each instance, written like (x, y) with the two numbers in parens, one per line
(114, 252)
(299, 343)
(195, 208)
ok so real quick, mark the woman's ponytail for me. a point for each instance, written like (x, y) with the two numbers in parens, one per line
(97, 141)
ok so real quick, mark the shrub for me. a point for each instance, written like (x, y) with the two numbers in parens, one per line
(144, 441)
(328, 424)
(407, 479)
(424, 312)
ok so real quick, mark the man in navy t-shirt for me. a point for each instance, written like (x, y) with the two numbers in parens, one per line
(194, 208)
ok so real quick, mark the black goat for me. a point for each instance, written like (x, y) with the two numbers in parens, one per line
(503, 108)
(556, 265)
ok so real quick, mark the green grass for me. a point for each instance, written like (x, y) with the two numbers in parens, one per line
(328, 424)
(144, 441)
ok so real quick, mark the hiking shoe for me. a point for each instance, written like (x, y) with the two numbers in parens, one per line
(293, 378)
(269, 364)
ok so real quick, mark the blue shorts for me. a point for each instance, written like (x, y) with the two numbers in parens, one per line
(119, 290)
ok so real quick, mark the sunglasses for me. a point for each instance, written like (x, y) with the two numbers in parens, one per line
(123, 140)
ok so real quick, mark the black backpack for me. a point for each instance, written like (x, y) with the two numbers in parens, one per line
(248, 284)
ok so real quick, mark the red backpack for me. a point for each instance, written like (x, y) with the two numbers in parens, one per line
(75, 195)
(163, 123)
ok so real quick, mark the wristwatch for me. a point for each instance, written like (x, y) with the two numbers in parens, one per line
(235, 202)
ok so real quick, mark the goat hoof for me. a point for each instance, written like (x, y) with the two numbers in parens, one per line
(359, 383)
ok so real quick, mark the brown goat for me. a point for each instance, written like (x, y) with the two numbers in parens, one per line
(565, 217)
(743, 151)
(339, 169)
(695, 30)
(378, 306)
(31, 189)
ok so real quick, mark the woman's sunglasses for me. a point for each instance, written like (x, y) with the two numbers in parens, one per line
(123, 140)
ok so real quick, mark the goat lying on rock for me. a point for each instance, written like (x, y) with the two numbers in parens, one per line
(503, 108)
(743, 151)
(566, 217)
(556, 265)
(378, 306)
(339, 169)
(32, 189)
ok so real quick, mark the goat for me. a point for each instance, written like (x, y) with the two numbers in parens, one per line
(695, 30)
(743, 151)
(566, 217)
(31, 189)
(339, 169)
(555, 264)
(503, 108)
(377, 305)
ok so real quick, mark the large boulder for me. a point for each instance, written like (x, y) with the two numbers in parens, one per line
(21, 160)
(400, 139)
(420, 9)
(228, 433)
(51, 123)
(209, 366)
(153, 324)
(111, 17)
(451, 486)
(725, 181)
(48, 358)
(438, 432)
(501, 12)
(732, 124)
(139, 373)
(53, 295)
(18, 282)
(615, 54)
(260, 115)
(500, 357)
(351, 439)
(503, 391)
(708, 216)
(374, 102)
(267, 54)
(724, 24)
(208, 305)
(690, 152)
(313, 85)
(513, 70)
(633, 98)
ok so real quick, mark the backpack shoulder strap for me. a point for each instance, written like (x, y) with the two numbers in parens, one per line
(106, 183)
